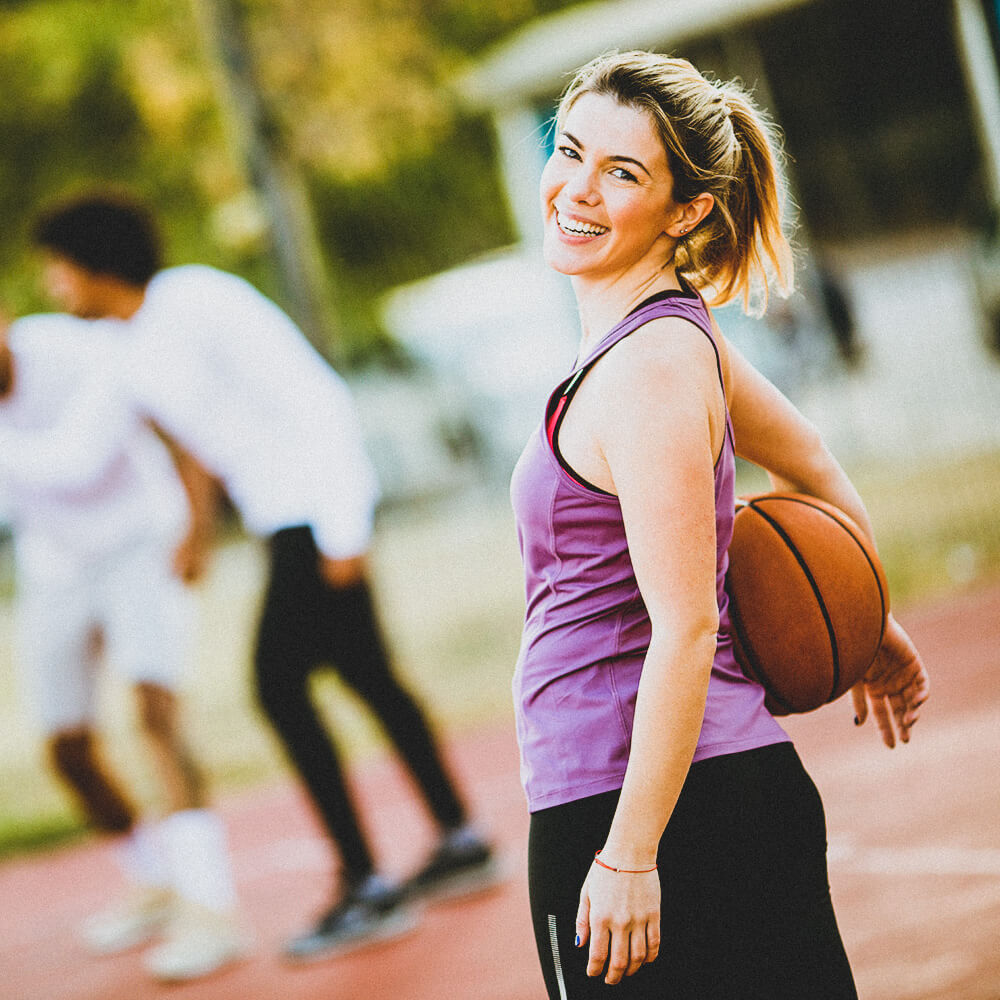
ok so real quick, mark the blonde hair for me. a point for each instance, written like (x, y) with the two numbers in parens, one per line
(717, 141)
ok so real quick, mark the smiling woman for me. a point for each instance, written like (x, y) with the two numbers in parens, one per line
(602, 207)
(709, 146)
(641, 739)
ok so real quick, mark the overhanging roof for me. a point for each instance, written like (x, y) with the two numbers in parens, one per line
(535, 61)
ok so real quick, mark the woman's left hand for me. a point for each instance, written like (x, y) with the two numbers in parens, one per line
(896, 685)
(619, 915)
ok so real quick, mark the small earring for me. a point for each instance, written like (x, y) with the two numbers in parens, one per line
(684, 231)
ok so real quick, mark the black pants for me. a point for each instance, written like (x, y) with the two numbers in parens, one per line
(307, 624)
(746, 911)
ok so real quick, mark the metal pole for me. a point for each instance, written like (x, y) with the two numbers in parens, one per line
(519, 135)
(979, 64)
(305, 283)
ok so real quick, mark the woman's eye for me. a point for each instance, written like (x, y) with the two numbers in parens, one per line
(570, 152)
(622, 174)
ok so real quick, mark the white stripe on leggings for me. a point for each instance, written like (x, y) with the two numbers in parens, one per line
(555, 956)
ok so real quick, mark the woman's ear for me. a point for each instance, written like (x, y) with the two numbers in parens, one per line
(690, 214)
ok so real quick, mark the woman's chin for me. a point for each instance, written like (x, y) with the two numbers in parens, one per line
(558, 260)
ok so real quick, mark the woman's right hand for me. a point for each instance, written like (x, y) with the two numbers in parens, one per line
(896, 686)
(619, 916)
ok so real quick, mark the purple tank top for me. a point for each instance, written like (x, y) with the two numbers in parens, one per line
(586, 628)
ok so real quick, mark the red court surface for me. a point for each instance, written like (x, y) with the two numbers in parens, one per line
(914, 858)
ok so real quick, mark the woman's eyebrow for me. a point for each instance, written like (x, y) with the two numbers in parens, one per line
(631, 159)
(617, 159)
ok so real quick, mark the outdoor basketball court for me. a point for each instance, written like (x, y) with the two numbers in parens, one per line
(914, 854)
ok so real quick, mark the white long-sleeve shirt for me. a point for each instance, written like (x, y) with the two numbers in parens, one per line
(224, 371)
(131, 489)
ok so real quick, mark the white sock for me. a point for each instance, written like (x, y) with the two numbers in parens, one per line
(200, 870)
(141, 856)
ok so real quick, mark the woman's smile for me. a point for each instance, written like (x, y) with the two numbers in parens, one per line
(576, 227)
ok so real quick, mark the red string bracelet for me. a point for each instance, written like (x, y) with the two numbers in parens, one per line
(622, 871)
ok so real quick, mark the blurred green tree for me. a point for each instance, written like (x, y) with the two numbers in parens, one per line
(103, 94)
(401, 180)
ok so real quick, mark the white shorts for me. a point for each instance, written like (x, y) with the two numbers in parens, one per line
(143, 614)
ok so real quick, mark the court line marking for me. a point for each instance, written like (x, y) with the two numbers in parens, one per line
(844, 854)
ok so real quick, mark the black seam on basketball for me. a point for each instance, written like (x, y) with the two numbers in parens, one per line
(736, 623)
(882, 595)
(835, 652)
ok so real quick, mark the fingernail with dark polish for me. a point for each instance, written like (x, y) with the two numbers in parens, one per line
(857, 721)
(578, 940)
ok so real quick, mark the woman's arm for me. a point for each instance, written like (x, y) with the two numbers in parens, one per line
(656, 408)
(772, 433)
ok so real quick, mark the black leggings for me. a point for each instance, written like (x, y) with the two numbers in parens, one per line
(746, 911)
(306, 624)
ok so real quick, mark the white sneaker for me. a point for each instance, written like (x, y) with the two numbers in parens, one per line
(132, 921)
(198, 941)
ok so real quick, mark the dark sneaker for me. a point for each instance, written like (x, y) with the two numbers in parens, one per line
(374, 911)
(462, 864)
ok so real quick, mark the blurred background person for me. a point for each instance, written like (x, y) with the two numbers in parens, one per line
(227, 373)
(839, 313)
(101, 574)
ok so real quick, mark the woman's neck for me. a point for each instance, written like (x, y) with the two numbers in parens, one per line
(604, 304)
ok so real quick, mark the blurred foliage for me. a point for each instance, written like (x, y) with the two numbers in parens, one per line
(101, 94)
(38, 831)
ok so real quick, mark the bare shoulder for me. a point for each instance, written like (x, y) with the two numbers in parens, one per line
(668, 358)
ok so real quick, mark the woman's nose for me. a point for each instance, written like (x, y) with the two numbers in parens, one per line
(581, 186)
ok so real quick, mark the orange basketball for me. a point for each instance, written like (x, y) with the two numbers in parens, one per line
(808, 599)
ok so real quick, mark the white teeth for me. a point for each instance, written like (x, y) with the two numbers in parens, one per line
(577, 228)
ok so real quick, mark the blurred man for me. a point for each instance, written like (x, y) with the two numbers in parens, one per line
(229, 375)
(100, 570)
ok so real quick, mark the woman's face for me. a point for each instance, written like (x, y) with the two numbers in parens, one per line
(607, 192)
